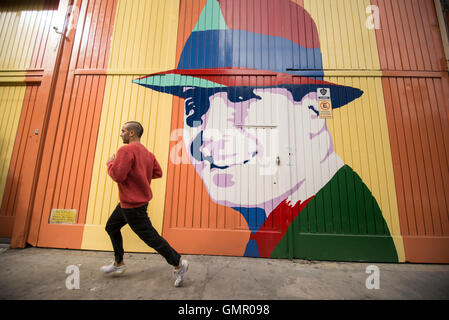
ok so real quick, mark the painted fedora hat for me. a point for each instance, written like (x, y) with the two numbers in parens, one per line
(269, 43)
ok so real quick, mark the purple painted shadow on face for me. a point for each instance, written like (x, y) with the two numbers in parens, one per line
(223, 180)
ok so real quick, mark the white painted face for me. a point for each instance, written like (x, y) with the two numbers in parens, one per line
(253, 153)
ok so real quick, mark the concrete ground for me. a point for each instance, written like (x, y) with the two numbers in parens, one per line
(40, 273)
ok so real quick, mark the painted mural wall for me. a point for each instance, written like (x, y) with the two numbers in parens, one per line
(253, 141)
(234, 97)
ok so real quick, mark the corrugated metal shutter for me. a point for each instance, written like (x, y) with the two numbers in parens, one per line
(416, 88)
(24, 27)
(381, 198)
(196, 223)
(69, 151)
(11, 100)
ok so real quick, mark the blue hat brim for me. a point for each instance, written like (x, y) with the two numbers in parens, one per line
(340, 95)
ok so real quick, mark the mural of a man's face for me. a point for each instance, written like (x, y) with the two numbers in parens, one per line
(236, 134)
(253, 134)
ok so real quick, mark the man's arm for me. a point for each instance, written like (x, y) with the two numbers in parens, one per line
(120, 165)
(157, 170)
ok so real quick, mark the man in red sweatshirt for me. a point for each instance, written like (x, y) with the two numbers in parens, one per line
(133, 169)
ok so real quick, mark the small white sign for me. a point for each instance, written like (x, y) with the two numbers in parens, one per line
(324, 102)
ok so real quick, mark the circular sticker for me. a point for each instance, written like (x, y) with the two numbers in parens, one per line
(324, 105)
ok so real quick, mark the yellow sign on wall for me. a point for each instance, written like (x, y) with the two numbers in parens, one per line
(67, 216)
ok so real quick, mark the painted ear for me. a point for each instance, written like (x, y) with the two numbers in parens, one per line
(312, 108)
(316, 123)
(310, 102)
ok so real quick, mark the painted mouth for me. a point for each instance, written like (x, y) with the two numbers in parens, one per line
(198, 155)
(213, 166)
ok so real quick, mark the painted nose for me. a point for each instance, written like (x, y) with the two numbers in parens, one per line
(195, 149)
(201, 151)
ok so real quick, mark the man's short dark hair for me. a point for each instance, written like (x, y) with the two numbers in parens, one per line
(136, 127)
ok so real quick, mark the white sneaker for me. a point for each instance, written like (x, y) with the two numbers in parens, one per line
(113, 269)
(179, 274)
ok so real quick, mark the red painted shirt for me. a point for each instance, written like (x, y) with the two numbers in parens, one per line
(133, 169)
(266, 239)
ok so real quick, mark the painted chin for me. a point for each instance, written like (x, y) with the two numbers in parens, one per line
(223, 180)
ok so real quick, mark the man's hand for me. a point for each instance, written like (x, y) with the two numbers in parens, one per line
(111, 159)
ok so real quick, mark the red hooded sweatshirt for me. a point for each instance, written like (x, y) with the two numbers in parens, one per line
(133, 169)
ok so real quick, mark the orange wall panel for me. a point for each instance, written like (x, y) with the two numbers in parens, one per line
(417, 103)
(68, 155)
(24, 28)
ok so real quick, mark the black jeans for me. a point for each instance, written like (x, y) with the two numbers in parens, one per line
(139, 222)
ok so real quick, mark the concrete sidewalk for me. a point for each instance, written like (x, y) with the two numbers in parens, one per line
(40, 273)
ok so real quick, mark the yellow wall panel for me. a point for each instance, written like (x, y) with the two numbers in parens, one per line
(346, 43)
(144, 40)
(11, 101)
(19, 25)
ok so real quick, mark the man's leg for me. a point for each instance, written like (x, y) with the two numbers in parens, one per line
(115, 222)
(139, 222)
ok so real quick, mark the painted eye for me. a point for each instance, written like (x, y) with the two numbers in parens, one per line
(241, 94)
